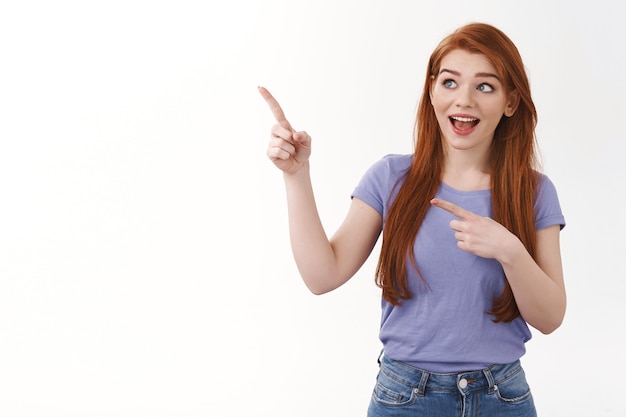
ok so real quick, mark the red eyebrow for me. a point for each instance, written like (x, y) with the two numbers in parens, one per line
(453, 72)
(478, 74)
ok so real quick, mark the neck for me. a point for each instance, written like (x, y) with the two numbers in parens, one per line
(466, 172)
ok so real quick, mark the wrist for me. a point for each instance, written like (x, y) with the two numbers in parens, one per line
(301, 172)
(512, 249)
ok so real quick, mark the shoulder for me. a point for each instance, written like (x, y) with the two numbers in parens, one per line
(379, 182)
(547, 206)
(388, 171)
(545, 186)
(394, 165)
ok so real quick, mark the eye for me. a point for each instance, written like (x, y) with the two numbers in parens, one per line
(485, 88)
(449, 83)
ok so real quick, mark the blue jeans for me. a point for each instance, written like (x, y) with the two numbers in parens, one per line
(402, 390)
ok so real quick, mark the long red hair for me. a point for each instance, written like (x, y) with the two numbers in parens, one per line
(512, 162)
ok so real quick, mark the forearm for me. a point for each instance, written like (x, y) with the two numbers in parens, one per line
(311, 248)
(540, 298)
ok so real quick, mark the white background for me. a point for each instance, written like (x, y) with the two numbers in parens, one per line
(144, 260)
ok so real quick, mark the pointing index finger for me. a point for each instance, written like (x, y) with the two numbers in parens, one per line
(277, 111)
(451, 208)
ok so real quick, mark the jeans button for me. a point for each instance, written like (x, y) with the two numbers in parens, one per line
(463, 383)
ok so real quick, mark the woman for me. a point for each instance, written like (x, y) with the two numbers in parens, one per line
(470, 253)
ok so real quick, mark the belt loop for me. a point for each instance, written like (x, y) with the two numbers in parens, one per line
(492, 383)
(380, 357)
(421, 388)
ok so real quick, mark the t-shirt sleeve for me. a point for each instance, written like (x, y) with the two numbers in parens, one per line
(379, 184)
(547, 207)
(369, 187)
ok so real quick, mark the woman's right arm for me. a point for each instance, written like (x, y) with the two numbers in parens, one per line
(323, 263)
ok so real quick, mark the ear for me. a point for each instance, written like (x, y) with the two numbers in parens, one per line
(512, 103)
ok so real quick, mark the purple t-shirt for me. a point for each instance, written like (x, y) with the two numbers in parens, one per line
(444, 327)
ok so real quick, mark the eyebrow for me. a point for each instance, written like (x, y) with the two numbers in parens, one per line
(478, 74)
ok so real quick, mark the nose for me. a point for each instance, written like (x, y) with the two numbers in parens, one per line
(465, 97)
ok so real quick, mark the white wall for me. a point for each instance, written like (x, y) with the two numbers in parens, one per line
(144, 260)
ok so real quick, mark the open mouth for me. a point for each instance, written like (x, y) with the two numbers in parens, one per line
(463, 123)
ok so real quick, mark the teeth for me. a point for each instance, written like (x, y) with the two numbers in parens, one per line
(463, 119)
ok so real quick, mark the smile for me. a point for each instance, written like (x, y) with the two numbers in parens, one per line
(463, 123)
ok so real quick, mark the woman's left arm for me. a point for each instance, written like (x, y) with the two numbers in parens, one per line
(537, 284)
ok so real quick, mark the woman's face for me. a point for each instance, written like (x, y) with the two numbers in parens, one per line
(469, 100)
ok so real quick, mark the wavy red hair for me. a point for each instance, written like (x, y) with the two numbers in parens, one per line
(512, 162)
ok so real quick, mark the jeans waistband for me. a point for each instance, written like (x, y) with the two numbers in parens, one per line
(466, 381)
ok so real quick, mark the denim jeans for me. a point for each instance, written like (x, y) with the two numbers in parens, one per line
(402, 390)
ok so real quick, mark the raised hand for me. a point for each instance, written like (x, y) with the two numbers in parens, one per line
(479, 235)
(288, 150)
